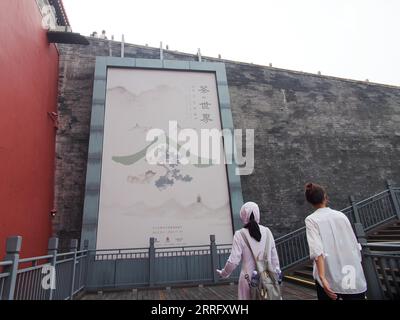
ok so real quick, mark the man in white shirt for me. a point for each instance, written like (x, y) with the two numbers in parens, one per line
(334, 250)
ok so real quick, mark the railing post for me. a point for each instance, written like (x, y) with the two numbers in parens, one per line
(214, 258)
(90, 260)
(355, 210)
(52, 250)
(86, 249)
(394, 198)
(13, 248)
(374, 288)
(152, 260)
(74, 249)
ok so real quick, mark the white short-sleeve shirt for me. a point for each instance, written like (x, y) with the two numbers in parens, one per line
(329, 233)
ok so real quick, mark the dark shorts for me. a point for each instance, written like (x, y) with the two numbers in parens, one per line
(323, 296)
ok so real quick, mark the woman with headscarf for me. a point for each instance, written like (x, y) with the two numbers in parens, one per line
(260, 239)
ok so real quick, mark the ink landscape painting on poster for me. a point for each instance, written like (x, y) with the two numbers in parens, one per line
(178, 204)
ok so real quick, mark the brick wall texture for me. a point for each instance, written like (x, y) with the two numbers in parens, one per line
(340, 133)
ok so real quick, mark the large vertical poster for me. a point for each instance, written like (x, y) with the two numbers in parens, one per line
(178, 204)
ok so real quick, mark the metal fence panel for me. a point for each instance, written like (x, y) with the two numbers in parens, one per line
(102, 273)
(63, 279)
(80, 273)
(376, 210)
(183, 266)
(292, 249)
(387, 267)
(119, 267)
(114, 268)
(131, 267)
(349, 214)
(397, 193)
(129, 272)
(223, 252)
(3, 277)
(29, 284)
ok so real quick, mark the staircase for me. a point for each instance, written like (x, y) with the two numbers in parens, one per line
(302, 275)
(389, 232)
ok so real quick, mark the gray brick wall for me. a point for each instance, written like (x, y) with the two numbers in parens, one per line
(343, 134)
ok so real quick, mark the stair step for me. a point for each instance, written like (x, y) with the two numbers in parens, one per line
(381, 240)
(394, 228)
(386, 231)
(389, 271)
(309, 267)
(383, 250)
(386, 237)
(306, 274)
(395, 293)
(300, 281)
(390, 280)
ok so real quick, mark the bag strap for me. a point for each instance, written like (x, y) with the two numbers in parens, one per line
(251, 250)
(266, 246)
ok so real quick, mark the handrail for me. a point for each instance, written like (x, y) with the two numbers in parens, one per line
(290, 234)
(158, 249)
(76, 267)
(65, 254)
(64, 260)
(381, 245)
(293, 249)
(5, 263)
(119, 250)
(35, 258)
(183, 247)
(372, 197)
(344, 209)
(82, 251)
(378, 254)
(31, 268)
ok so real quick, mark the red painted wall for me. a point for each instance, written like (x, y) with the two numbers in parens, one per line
(28, 91)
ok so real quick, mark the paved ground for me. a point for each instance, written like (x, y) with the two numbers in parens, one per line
(217, 292)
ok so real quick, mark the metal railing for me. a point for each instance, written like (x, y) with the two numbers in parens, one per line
(292, 248)
(58, 276)
(157, 266)
(381, 265)
(4, 276)
(92, 270)
(387, 268)
(30, 278)
(371, 212)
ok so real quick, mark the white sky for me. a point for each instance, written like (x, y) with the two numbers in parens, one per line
(356, 39)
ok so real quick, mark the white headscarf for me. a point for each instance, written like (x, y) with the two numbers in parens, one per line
(247, 209)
